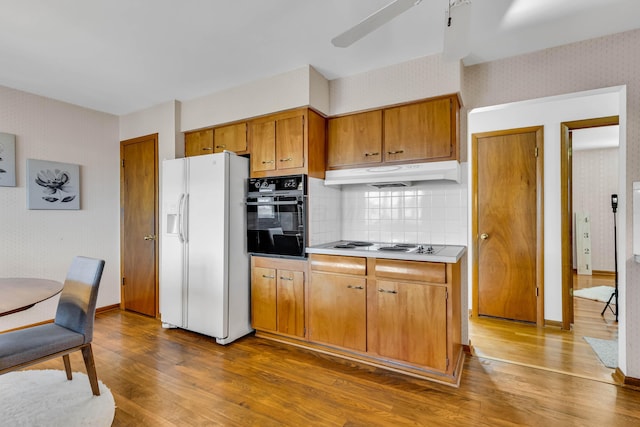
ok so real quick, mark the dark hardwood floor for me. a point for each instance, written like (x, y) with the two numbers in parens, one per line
(170, 377)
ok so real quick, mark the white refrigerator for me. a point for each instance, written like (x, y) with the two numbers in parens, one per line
(204, 265)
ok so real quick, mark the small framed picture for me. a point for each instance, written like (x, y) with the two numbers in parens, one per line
(52, 185)
(7, 160)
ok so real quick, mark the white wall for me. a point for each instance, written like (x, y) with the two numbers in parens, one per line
(297, 88)
(42, 243)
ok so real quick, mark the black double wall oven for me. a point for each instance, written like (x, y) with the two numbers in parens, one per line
(277, 216)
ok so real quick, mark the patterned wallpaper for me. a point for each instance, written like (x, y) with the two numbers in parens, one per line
(597, 63)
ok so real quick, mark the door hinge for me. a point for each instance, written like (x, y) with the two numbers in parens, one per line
(447, 363)
(122, 162)
(446, 294)
(536, 151)
(123, 281)
(537, 292)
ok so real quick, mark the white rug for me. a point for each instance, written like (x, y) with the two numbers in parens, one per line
(606, 350)
(47, 398)
(597, 293)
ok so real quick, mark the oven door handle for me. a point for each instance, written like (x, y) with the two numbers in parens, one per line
(272, 203)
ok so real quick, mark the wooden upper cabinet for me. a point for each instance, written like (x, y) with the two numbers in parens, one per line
(198, 142)
(414, 132)
(355, 139)
(418, 131)
(263, 147)
(230, 137)
(288, 143)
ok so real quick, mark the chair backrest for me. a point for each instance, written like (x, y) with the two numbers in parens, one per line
(77, 305)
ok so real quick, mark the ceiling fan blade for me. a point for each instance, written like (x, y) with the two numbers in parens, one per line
(373, 22)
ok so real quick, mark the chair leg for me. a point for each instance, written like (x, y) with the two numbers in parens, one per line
(67, 366)
(87, 355)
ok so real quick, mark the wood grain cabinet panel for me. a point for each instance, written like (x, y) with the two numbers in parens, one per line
(290, 143)
(411, 323)
(290, 302)
(198, 143)
(263, 146)
(338, 310)
(419, 131)
(355, 139)
(231, 138)
(263, 298)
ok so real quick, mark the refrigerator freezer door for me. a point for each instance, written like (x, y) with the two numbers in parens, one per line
(207, 245)
(172, 256)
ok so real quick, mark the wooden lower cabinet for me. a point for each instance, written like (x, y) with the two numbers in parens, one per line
(338, 310)
(277, 295)
(404, 316)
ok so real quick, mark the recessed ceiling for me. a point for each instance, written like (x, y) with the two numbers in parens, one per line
(120, 56)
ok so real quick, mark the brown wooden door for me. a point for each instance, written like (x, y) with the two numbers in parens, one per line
(508, 223)
(355, 139)
(139, 201)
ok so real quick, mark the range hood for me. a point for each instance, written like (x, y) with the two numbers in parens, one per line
(395, 175)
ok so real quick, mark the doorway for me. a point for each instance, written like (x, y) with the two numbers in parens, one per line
(507, 224)
(566, 191)
(139, 225)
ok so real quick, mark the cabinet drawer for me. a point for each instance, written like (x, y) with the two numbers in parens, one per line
(338, 264)
(411, 270)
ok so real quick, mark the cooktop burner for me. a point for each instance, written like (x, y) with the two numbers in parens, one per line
(395, 248)
(345, 246)
(356, 243)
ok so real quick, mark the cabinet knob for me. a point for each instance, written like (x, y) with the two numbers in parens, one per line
(206, 148)
(371, 154)
(395, 152)
(355, 287)
(484, 236)
(285, 278)
(386, 291)
(149, 237)
(221, 146)
(268, 277)
(264, 162)
(288, 159)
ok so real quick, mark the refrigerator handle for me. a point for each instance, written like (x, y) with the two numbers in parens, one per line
(181, 204)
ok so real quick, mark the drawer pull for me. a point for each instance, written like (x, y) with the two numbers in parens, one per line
(268, 277)
(221, 146)
(264, 162)
(386, 291)
(286, 278)
(371, 154)
(206, 148)
(288, 159)
(355, 287)
(395, 152)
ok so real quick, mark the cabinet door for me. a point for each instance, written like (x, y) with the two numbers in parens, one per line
(355, 139)
(231, 138)
(290, 143)
(291, 302)
(263, 298)
(418, 131)
(263, 146)
(198, 143)
(337, 310)
(412, 323)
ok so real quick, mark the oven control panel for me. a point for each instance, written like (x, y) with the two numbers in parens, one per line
(280, 183)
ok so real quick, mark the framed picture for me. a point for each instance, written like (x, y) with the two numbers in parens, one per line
(7, 160)
(52, 185)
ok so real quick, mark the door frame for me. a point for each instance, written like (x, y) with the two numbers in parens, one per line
(539, 216)
(566, 203)
(124, 143)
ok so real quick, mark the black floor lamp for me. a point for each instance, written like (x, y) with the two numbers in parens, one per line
(614, 206)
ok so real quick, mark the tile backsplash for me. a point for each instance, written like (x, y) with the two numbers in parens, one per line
(426, 212)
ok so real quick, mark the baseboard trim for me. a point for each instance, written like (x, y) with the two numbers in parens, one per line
(621, 378)
(108, 308)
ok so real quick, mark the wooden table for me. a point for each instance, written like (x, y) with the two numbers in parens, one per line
(18, 294)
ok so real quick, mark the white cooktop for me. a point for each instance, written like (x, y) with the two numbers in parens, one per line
(404, 251)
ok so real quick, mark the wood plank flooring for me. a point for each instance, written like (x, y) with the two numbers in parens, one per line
(170, 377)
(551, 348)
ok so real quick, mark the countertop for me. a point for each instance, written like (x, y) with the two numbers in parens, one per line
(450, 254)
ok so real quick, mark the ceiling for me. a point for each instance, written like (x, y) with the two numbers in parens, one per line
(121, 56)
